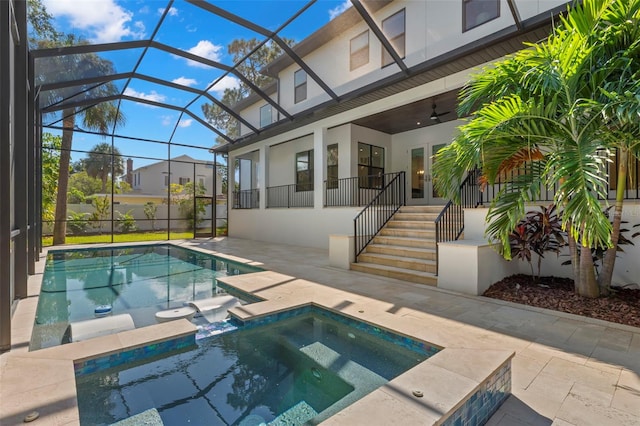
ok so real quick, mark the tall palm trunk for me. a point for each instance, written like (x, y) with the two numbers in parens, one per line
(609, 261)
(60, 224)
(587, 284)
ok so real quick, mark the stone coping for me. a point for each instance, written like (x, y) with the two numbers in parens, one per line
(44, 380)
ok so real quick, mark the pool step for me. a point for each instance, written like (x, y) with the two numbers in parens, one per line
(405, 248)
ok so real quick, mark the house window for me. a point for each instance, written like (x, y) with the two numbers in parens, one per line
(393, 29)
(477, 12)
(359, 51)
(370, 166)
(201, 182)
(166, 180)
(304, 171)
(184, 180)
(332, 166)
(265, 115)
(300, 86)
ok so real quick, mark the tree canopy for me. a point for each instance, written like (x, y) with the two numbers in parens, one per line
(251, 68)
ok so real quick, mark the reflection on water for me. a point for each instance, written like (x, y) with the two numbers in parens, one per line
(296, 371)
(135, 280)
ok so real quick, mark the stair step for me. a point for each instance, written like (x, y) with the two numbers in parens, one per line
(406, 224)
(416, 216)
(405, 241)
(404, 251)
(399, 262)
(397, 273)
(421, 209)
(410, 233)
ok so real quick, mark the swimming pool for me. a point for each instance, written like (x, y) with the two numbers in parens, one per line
(138, 281)
(293, 371)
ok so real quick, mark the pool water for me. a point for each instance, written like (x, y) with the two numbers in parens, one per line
(139, 281)
(295, 371)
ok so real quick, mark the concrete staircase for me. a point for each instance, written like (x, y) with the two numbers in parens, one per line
(405, 248)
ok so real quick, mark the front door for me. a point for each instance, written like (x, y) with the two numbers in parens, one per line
(420, 181)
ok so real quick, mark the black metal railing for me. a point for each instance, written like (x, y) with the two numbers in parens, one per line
(368, 223)
(246, 199)
(547, 193)
(449, 224)
(354, 191)
(287, 196)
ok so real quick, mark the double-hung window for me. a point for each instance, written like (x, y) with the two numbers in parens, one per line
(304, 171)
(477, 12)
(359, 51)
(370, 166)
(300, 86)
(393, 29)
(184, 180)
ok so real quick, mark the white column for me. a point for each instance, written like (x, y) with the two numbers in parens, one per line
(263, 174)
(319, 154)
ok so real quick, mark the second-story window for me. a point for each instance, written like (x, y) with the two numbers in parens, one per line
(393, 29)
(300, 86)
(184, 180)
(359, 51)
(304, 171)
(265, 115)
(477, 12)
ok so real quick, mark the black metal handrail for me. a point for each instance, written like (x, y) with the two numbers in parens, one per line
(354, 191)
(287, 196)
(368, 223)
(450, 222)
(246, 199)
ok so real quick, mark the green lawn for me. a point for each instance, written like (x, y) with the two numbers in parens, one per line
(120, 238)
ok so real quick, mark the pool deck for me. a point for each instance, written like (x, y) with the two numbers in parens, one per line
(567, 370)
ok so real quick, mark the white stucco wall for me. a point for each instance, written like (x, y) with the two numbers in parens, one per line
(432, 28)
(303, 227)
(627, 269)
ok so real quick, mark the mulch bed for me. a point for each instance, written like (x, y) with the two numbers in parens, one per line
(622, 306)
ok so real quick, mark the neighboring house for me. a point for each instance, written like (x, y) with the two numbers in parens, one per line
(152, 181)
(365, 115)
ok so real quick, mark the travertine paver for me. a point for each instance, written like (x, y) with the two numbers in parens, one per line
(567, 370)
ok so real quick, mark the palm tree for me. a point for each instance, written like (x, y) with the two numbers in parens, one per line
(104, 161)
(548, 106)
(101, 117)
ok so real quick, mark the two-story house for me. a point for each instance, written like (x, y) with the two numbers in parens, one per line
(370, 102)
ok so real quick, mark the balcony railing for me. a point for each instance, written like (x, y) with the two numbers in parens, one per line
(354, 191)
(246, 199)
(288, 196)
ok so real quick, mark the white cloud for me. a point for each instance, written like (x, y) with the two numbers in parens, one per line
(205, 49)
(172, 11)
(151, 96)
(166, 120)
(227, 82)
(185, 81)
(191, 28)
(144, 10)
(104, 21)
(185, 122)
(339, 9)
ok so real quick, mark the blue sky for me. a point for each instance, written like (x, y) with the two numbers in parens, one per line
(188, 28)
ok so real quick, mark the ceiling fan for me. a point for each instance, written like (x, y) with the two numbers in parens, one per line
(435, 116)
